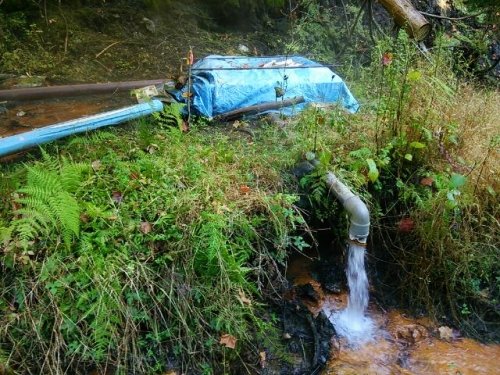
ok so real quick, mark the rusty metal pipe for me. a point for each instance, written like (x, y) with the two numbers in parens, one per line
(75, 90)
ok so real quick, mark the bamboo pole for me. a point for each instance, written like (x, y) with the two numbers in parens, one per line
(406, 16)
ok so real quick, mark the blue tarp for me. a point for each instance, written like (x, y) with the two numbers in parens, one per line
(225, 83)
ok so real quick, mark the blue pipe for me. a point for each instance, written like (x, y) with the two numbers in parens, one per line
(49, 133)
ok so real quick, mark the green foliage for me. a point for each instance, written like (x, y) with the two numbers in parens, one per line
(243, 8)
(170, 255)
(46, 205)
(171, 115)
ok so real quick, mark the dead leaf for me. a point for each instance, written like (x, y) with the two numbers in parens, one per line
(117, 196)
(243, 298)
(320, 120)
(229, 341)
(96, 165)
(426, 181)
(445, 333)
(262, 357)
(152, 148)
(146, 227)
(406, 225)
(244, 189)
(184, 126)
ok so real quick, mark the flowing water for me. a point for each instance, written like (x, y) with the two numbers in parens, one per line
(352, 322)
(392, 343)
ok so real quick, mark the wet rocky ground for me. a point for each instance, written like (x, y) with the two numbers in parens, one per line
(401, 344)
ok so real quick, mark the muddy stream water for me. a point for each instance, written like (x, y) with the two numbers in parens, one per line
(392, 342)
(19, 117)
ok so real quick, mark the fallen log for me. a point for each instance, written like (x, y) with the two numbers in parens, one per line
(406, 16)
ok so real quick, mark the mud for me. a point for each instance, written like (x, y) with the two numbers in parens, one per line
(401, 345)
(16, 118)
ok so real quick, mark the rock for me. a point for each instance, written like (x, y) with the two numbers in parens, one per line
(411, 333)
(308, 292)
(243, 49)
(302, 169)
(29, 81)
(445, 333)
(150, 25)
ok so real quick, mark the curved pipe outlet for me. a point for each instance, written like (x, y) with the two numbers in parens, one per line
(358, 212)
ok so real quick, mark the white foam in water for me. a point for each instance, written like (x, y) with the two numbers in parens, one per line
(352, 323)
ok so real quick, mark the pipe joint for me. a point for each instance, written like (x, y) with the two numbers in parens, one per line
(358, 212)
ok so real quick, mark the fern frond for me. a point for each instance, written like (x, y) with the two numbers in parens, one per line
(50, 162)
(37, 216)
(67, 212)
(26, 230)
(47, 203)
(71, 175)
(47, 180)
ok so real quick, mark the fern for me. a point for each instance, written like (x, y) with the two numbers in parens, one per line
(171, 115)
(47, 202)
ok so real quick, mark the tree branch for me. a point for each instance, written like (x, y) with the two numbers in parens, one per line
(451, 18)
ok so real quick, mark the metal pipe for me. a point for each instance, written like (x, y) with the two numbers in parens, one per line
(34, 93)
(358, 212)
(49, 133)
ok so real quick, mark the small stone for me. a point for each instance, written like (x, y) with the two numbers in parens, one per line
(287, 336)
(150, 25)
(243, 49)
(20, 114)
(445, 333)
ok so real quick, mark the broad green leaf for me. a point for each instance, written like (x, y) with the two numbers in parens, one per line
(417, 145)
(409, 157)
(414, 75)
(372, 170)
(491, 191)
(457, 180)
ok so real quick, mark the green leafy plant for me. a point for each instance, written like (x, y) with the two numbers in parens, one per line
(46, 204)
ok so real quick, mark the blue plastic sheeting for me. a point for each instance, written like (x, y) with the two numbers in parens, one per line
(225, 83)
(49, 133)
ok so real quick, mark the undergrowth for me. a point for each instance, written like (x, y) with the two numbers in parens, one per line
(422, 153)
(139, 250)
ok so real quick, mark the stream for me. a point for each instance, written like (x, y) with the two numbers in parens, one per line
(375, 341)
(20, 117)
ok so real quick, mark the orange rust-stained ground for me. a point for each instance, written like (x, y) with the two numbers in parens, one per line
(402, 345)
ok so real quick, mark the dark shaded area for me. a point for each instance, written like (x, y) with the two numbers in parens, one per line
(309, 339)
